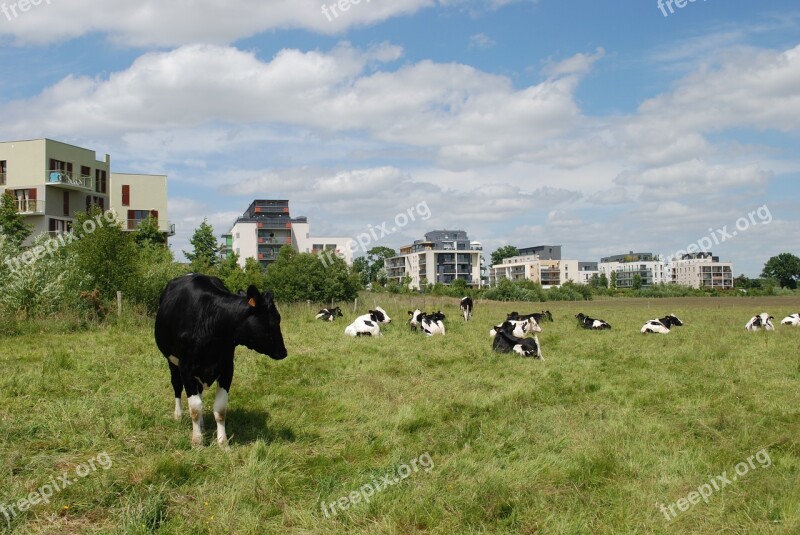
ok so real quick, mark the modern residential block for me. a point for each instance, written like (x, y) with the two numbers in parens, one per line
(443, 256)
(547, 272)
(51, 181)
(266, 226)
(648, 266)
(702, 270)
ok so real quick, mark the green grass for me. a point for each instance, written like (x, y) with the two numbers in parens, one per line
(588, 441)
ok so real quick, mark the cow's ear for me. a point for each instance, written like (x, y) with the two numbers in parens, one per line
(253, 296)
(268, 298)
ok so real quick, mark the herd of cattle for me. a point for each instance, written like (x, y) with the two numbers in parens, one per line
(200, 322)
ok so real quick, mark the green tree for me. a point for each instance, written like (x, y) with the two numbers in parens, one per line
(206, 248)
(304, 276)
(506, 251)
(459, 286)
(603, 281)
(148, 233)
(784, 268)
(612, 283)
(105, 254)
(12, 224)
(361, 267)
(376, 259)
(636, 281)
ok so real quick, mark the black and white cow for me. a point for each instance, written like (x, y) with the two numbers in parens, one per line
(507, 342)
(415, 318)
(591, 323)
(760, 321)
(198, 326)
(466, 307)
(368, 324)
(432, 323)
(521, 328)
(793, 319)
(329, 314)
(661, 325)
(538, 316)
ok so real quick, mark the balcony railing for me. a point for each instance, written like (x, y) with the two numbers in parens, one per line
(70, 179)
(164, 226)
(275, 240)
(28, 207)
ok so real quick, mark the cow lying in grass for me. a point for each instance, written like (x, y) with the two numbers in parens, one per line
(761, 321)
(329, 314)
(538, 316)
(368, 324)
(793, 320)
(429, 323)
(506, 342)
(520, 328)
(661, 325)
(590, 323)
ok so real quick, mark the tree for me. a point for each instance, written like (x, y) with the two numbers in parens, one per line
(613, 282)
(303, 276)
(459, 286)
(361, 267)
(603, 281)
(12, 223)
(148, 233)
(506, 251)
(376, 259)
(206, 248)
(784, 268)
(636, 281)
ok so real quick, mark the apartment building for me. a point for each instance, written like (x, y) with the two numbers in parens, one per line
(586, 271)
(267, 225)
(702, 270)
(136, 197)
(547, 272)
(51, 181)
(443, 256)
(626, 266)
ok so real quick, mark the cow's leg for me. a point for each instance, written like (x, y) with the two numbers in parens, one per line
(194, 392)
(177, 387)
(221, 402)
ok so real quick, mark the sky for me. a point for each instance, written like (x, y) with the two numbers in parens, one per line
(605, 127)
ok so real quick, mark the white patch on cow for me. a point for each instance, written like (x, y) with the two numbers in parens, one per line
(793, 320)
(175, 360)
(178, 409)
(538, 347)
(201, 382)
(196, 412)
(318, 316)
(654, 326)
(220, 411)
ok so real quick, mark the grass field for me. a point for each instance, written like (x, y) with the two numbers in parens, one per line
(594, 439)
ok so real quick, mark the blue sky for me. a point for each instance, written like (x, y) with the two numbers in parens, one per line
(602, 126)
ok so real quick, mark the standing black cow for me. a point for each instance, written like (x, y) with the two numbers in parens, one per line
(198, 326)
(466, 307)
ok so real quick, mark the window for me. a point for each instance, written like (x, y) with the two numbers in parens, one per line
(126, 195)
(86, 171)
(3, 170)
(100, 181)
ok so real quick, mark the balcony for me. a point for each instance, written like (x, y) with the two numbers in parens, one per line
(164, 226)
(29, 207)
(275, 240)
(70, 180)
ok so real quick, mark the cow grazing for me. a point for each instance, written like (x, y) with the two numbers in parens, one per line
(466, 307)
(329, 314)
(760, 321)
(538, 316)
(507, 342)
(198, 325)
(793, 319)
(521, 327)
(661, 325)
(368, 324)
(590, 323)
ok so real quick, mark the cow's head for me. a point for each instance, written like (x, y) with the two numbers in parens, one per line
(580, 316)
(336, 311)
(671, 320)
(548, 315)
(261, 329)
(512, 316)
(380, 315)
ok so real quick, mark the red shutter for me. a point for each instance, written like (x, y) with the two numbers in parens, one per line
(126, 196)
(131, 223)
(32, 194)
(154, 215)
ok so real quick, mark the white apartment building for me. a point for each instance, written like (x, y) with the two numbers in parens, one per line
(443, 256)
(651, 270)
(702, 270)
(547, 272)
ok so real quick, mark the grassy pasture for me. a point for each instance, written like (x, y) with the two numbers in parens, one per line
(591, 440)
